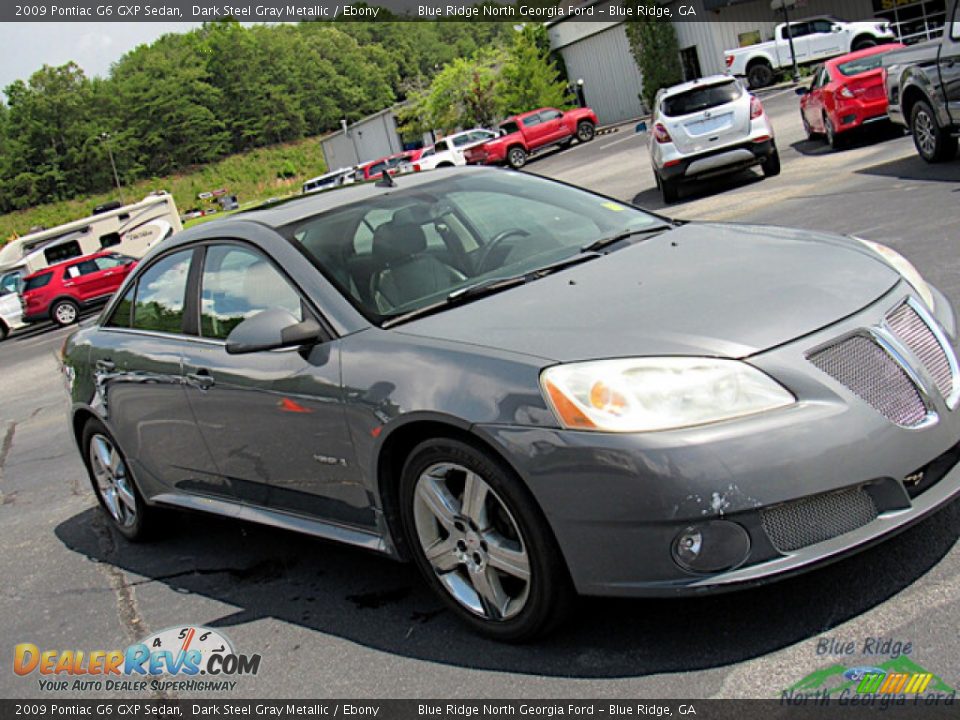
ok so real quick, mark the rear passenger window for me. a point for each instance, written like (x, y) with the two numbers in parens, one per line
(37, 281)
(123, 310)
(239, 283)
(160, 294)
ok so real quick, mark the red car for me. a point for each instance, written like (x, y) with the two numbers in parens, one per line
(373, 170)
(522, 135)
(59, 292)
(846, 93)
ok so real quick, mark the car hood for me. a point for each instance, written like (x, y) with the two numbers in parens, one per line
(700, 289)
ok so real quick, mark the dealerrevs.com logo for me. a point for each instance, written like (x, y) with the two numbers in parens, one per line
(191, 658)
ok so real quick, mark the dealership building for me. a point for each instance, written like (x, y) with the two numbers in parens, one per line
(598, 53)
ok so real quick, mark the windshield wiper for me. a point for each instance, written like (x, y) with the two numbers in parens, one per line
(608, 240)
(490, 286)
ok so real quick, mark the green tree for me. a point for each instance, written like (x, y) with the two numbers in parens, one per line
(529, 78)
(656, 52)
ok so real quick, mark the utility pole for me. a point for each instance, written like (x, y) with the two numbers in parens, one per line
(783, 4)
(105, 139)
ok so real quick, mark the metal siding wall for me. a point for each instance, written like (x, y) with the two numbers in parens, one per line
(611, 79)
(374, 138)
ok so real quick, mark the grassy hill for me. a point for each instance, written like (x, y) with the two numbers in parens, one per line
(255, 175)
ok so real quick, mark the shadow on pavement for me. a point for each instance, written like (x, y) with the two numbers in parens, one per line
(651, 199)
(915, 168)
(382, 604)
(864, 137)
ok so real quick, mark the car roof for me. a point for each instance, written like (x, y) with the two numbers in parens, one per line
(683, 87)
(299, 207)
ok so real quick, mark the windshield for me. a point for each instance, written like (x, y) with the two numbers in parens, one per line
(405, 250)
(860, 65)
(702, 98)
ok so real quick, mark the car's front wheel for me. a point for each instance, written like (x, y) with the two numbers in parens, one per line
(586, 131)
(64, 312)
(114, 484)
(481, 542)
(934, 143)
(760, 75)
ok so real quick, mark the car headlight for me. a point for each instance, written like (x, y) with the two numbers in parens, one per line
(646, 394)
(903, 266)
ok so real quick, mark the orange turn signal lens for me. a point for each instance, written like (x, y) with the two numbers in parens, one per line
(570, 415)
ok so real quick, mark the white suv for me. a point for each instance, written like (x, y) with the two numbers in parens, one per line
(449, 151)
(705, 127)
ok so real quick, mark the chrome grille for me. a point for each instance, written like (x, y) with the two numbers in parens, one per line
(798, 524)
(914, 332)
(874, 376)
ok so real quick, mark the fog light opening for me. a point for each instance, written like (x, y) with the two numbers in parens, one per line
(711, 547)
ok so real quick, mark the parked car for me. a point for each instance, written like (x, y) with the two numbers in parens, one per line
(814, 39)
(845, 94)
(523, 135)
(334, 178)
(11, 310)
(527, 389)
(395, 164)
(708, 127)
(61, 291)
(923, 91)
(450, 150)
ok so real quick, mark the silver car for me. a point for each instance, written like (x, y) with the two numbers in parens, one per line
(706, 127)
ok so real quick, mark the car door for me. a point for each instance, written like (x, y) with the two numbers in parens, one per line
(950, 66)
(823, 41)
(813, 108)
(274, 420)
(137, 366)
(554, 129)
(83, 280)
(801, 43)
(533, 131)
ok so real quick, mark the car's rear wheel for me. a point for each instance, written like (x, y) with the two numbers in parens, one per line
(760, 75)
(833, 138)
(64, 312)
(669, 189)
(481, 542)
(933, 143)
(517, 157)
(864, 43)
(586, 131)
(114, 484)
(771, 166)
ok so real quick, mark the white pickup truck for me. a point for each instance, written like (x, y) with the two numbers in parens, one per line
(814, 39)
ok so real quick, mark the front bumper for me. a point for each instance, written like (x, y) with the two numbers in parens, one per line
(719, 161)
(618, 503)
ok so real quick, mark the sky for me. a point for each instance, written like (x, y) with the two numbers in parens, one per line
(25, 47)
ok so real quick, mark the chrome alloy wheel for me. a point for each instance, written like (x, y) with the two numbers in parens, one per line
(472, 541)
(66, 313)
(113, 481)
(925, 131)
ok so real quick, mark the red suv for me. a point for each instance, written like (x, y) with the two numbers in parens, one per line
(59, 292)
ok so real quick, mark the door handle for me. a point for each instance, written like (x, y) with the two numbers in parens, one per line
(201, 379)
(106, 365)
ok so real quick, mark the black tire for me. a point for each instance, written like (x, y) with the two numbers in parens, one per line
(549, 596)
(834, 139)
(863, 43)
(771, 166)
(141, 528)
(934, 143)
(669, 189)
(760, 75)
(516, 157)
(65, 312)
(586, 131)
(4, 331)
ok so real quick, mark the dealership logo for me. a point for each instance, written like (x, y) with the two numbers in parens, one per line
(897, 680)
(172, 659)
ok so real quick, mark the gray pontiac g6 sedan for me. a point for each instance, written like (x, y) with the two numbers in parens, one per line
(529, 390)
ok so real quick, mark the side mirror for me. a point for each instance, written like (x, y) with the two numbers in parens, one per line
(801, 90)
(272, 329)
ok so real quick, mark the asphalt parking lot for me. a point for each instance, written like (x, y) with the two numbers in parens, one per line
(331, 621)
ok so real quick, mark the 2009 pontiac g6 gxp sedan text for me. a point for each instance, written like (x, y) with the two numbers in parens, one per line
(530, 390)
